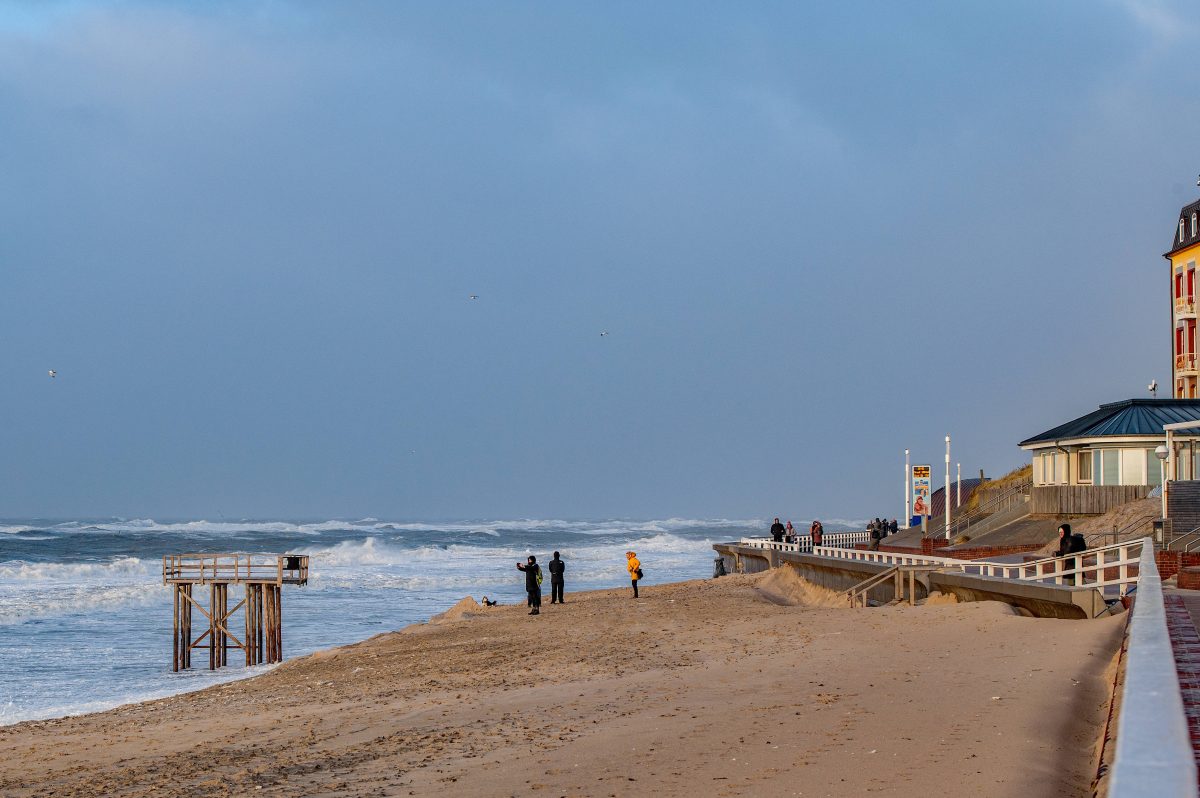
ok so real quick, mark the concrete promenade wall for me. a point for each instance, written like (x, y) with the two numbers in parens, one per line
(1040, 599)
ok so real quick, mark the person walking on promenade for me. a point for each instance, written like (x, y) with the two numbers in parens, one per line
(893, 527)
(875, 529)
(533, 584)
(777, 531)
(816, 532)
(556, 567)
(789, 533)
(634, 566)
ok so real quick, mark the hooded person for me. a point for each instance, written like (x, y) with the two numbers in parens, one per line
(634, 566)
(1066, 546)
(556, 568)
(789, 533)
(816, 532)
(533, 584)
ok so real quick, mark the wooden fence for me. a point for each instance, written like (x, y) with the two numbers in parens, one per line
(1082, 499)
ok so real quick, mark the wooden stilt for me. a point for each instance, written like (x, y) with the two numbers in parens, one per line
(212, 628)
(175, 632)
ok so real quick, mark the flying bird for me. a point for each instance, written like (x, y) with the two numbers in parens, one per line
(474, 296)
(52, 373)
(603, 333)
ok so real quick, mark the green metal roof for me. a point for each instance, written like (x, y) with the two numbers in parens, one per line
(1132, 417)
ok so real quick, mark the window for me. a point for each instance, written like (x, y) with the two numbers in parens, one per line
(1193, 225)
(1133, 466)
(1084, 468)
(1111, 471)
(1037, 470)
(1181, 231)
(1153, 468)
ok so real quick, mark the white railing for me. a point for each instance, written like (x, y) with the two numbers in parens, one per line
(1100, 567)
(1106, 566)
(804, 542)
(886, 557)
(1154, 756)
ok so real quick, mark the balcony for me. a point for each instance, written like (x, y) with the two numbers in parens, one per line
(1185, 364)
(1185, 307)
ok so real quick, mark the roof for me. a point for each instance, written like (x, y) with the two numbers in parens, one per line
(1132, 417)
(1191, 236)
(937, 500)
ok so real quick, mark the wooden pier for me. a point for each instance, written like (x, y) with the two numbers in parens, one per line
(263, 577)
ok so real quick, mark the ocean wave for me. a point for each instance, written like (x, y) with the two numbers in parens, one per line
(70, 600)
(122, 568)
(204, 527)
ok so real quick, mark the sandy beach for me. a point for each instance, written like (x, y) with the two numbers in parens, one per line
(715, 687)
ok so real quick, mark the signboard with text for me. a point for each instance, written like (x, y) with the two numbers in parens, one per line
(922, 479)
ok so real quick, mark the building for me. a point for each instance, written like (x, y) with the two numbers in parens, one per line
(1185, 247)
(1106, 457)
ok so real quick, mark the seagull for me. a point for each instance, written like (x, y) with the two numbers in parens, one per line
(603, 333)
(474, 296)
(52, 373)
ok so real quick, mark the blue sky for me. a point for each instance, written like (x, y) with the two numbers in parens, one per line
(245, 234)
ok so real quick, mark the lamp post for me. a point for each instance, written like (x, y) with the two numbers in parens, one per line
(947, 493)
(907, 491)
(958, 489)
(1161, 453)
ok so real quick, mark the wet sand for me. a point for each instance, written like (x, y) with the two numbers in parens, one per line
(701, 688)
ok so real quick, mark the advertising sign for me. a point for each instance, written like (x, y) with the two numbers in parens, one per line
(922, 479)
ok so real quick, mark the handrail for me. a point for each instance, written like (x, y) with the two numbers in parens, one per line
(1116, 534)
(1154, 756)
(1111, 566)
(804, 542)
(986, 510)
(861, 590)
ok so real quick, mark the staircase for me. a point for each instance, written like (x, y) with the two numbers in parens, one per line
(1183, 505)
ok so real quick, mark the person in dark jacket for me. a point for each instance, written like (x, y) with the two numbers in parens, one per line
(1068, 544)
(533, 586)
(556, 567)
(777, 531)
(876, 530)
(893, 527)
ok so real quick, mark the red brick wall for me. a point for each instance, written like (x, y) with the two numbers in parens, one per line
(984, 552)
(1189, 578)
(1170, 562)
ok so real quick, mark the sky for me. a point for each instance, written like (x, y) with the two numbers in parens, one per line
(245, 235)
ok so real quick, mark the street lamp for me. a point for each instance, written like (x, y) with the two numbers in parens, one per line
(1162, 453)
(907, 491)
(946, 495)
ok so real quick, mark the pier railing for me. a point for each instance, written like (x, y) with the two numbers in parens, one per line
(1154, 756)
(1115, 565)
(804, 544)
(284, 569)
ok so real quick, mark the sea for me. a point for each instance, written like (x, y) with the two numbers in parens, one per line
(85, 621)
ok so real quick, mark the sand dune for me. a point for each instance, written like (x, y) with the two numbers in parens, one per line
(737, 686)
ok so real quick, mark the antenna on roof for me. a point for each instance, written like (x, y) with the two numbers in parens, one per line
(1153, 388)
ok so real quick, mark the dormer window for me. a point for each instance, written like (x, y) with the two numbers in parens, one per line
(1181, 231)
(1193, 225)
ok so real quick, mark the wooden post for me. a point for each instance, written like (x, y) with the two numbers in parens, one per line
(175, 632)
(186, 608)
(212, 627)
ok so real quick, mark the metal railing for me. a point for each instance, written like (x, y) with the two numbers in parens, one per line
(1004, 500)
(1185, 306)
(1106, 566)
(1185, 362)
(289, 569)
(804, 542)
(1105, 538)
(1154, 756)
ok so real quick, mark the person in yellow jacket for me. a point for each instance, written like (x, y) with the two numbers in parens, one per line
(635, 570)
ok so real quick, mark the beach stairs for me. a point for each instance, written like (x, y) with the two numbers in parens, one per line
(903, 579)
(1183, 508)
